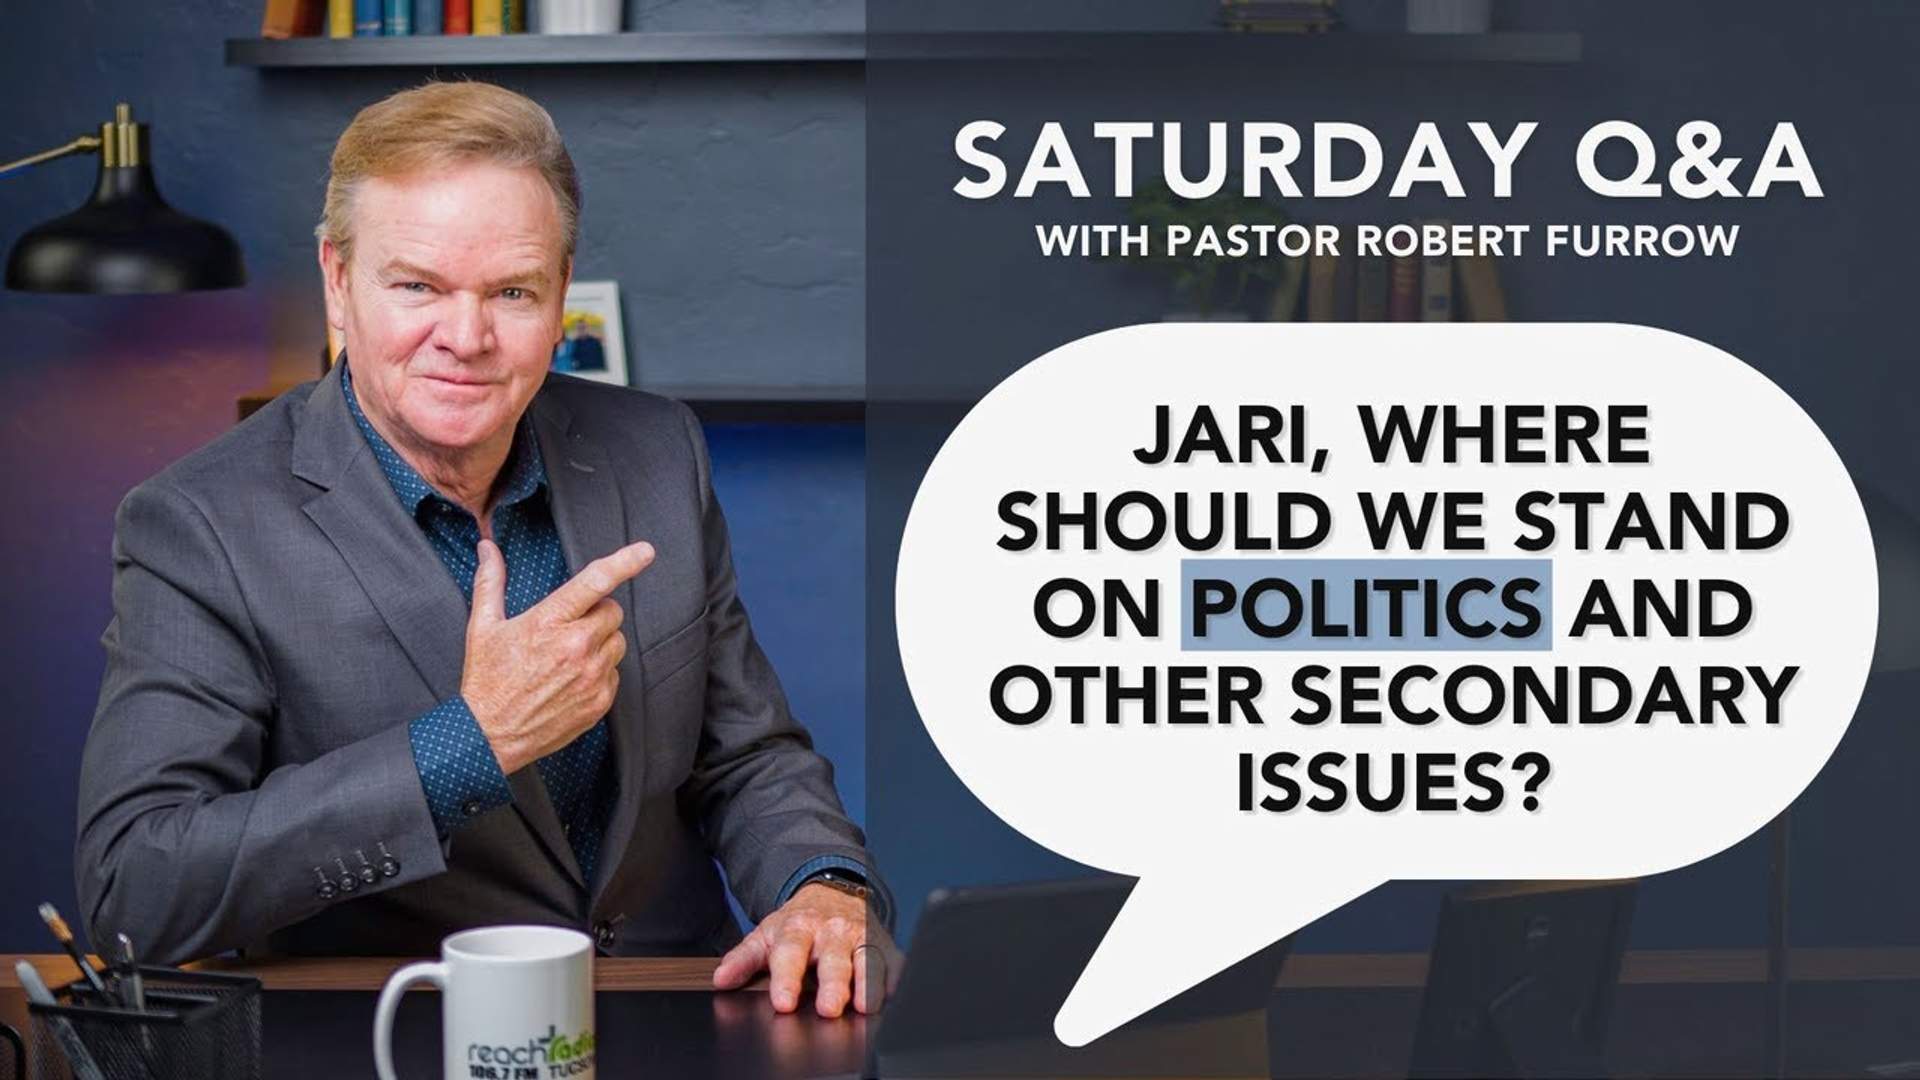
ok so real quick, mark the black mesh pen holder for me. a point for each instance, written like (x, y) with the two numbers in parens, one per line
(196, 1026)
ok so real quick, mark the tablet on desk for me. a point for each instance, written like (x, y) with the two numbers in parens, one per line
(1522, 979)
(990, 966)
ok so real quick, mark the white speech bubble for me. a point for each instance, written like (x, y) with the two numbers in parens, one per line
(1161, 802)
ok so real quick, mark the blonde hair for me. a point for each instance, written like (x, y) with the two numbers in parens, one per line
(441, 124)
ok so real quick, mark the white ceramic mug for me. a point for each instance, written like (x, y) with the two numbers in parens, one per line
(516, 1001)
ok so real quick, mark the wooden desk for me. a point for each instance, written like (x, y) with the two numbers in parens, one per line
(1678, 1012)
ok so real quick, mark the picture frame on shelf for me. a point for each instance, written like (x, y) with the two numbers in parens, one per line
(595, 346)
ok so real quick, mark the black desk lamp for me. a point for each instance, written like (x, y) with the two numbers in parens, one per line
(126, 239)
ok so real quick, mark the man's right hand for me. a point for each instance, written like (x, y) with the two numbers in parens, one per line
(536, 681)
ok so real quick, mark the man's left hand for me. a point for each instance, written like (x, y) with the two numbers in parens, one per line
(824, 929)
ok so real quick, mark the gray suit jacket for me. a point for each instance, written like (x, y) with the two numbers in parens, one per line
(278, 619)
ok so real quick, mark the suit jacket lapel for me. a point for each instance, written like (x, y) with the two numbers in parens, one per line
(403, 577)
(592, 520)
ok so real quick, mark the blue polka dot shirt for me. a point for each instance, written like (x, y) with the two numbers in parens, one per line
(458, 771)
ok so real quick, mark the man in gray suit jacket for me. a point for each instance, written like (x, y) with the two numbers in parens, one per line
(445, 640)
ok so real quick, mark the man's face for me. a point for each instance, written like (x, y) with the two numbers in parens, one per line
(451, 306)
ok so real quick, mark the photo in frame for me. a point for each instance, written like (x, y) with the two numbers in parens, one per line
(595, 345)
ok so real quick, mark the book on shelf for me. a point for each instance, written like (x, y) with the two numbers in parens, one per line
(339, 18)
(368, 17)
(1370, 289)
(489, 18)
(1403, 289)
(1436, 286)
(1346, 278)
(396, 18)
(292, 18)
(428, 17)
(1323, 286)
(1342, 291)
(456, 17)
(1481, 297)
(1286, 292)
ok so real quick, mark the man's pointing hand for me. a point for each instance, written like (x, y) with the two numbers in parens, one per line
(536, 681)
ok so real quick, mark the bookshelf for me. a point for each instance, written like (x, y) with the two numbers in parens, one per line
(547, 49)
(830, 47)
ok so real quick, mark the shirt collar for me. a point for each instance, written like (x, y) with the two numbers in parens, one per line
(524, 472)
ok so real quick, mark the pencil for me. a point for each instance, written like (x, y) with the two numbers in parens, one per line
(58, 925)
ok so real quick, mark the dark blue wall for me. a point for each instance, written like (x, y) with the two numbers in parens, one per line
(794, 504)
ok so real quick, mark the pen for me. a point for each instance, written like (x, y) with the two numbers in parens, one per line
(58, 925)
(84, 1067)
(133, 991)
(136, 990)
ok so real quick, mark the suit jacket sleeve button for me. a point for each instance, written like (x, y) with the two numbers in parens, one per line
(603, 933)
(327, 890)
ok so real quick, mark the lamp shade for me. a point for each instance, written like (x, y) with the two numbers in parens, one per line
(125, 239)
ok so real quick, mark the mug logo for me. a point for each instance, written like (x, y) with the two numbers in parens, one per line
(541, 1058)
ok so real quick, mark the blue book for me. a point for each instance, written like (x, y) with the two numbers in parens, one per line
(427, 16)
(366, 18)
(398, 18)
